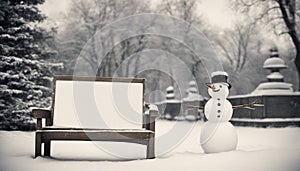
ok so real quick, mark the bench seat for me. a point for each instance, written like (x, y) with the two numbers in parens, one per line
(124, 135)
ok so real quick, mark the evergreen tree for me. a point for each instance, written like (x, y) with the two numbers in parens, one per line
(25, 74)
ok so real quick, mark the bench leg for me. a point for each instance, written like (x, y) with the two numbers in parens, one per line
(150, 148)
(38, 144)
(47, 148)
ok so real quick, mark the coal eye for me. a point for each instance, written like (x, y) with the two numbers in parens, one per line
(220, 86)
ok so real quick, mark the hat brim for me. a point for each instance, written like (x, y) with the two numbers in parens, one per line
(229, 85)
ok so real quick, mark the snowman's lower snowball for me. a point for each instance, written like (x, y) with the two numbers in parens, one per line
(218, 137)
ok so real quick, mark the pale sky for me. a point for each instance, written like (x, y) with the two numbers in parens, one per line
(216, 12)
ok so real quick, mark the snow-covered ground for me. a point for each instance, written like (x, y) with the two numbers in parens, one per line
(259, 149)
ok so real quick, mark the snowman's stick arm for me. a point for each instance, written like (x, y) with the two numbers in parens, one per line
(248, 105)
(191, 107)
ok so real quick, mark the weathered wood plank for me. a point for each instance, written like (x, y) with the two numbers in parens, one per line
(47, 148)
(38, 144)
(151, 147)
(101, 79)
(134, 137)
(94, 129)
(41, 113)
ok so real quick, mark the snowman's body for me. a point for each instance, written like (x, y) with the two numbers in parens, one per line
(218, 134)
(218, 110)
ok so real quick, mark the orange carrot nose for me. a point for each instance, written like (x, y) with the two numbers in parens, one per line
(210, 86)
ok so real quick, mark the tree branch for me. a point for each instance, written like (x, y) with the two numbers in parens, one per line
(252, 3)
(291, 26)
(266, 13)
(227, 55)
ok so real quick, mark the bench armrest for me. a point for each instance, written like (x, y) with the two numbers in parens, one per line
(39, 114)
(150, 116)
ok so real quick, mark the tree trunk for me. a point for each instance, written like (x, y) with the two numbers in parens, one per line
(288, 15)
(297, 59)
(297, 63)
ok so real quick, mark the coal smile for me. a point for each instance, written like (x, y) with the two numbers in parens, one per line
(216, 90)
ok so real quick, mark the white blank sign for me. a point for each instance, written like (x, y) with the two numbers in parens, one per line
(104, 105)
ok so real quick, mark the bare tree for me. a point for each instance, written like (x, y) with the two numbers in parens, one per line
(283, 15)
(238, 44)
(187, 11)
(183, 9)
(86, 17)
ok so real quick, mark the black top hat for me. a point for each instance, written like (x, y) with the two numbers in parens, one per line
(220, 77)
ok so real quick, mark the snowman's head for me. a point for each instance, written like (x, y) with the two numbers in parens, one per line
(219, 90)
(219, 86)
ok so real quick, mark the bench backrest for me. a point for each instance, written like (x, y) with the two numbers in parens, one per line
(106, 103)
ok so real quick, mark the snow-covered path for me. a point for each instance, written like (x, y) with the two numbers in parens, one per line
(259, 149)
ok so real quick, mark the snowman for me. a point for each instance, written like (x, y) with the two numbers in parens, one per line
(218, 134)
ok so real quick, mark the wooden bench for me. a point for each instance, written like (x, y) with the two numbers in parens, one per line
(96, 109)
